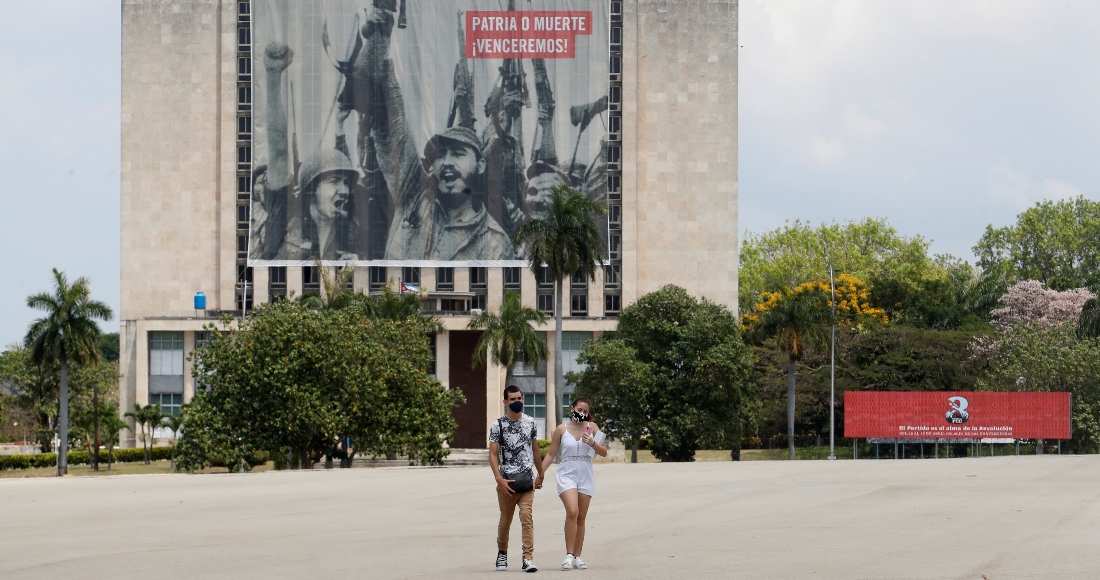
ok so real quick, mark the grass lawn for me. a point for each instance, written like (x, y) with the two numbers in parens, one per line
(136, 468)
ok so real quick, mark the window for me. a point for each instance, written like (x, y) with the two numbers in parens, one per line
(445, 279)
(612, 304)
(244, 154)
(614, 153)
(566, 398)
(615, 217)
(276, 283)
(166, 362)
(615, 246)
(615, 95)
(244, 188)
(242, 217)
(242, 246)
(616, 61)
(479, 278)
(612, 275)
(479, 301)
(377, 277)
(244, 64)
(512, 279)
(534, 404)
(614, 124)
(578, 305)
(574, 340)
(244, 98)
(543, 280)
(170, 403)
(614, 186)
(244, 126)
(546, 303)
(311, 280)
(244, 38)
(349, 281)
(578, 282)
(410, 275)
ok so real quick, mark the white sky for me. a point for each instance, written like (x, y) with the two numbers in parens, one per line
(941, 116)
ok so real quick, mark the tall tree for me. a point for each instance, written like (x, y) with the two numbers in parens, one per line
(796, 319)
(68, 334)
(508, 336)
(568, 241)
(147, 418)
(1054, 242)
(620, 388)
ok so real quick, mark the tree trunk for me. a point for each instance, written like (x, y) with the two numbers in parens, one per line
(63, 422)
(559, 381)
(146, 441)
(634, 450)
(790, 405)
(95, 417)
(110, 456)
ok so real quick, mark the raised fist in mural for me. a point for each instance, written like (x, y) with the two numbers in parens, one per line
(379, 21)
(277, 57)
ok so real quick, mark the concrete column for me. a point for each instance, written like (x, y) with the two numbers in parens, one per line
(127, 365)
(462, 279)
(443, 358)
(259, 290)
(361, 281)
(595, 295)
(394, 275)
(494, 399)
(552, 396)
(188, 348)
(293, 281)
(495, 280)
(528, 290)
(427, 278)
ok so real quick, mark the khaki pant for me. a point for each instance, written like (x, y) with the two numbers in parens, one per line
(508, 504)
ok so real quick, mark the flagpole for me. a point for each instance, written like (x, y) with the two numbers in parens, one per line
(832, 367)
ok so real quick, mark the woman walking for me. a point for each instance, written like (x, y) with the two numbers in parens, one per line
(579, 440)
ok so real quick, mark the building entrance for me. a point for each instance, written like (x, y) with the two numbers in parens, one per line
(470, 415)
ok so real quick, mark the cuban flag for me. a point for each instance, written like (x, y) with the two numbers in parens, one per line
(405, 287)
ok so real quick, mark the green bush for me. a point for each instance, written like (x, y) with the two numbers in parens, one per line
(82, 457)
(544, 446)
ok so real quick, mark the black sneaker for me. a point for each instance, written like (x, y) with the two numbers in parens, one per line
(529, 566)
(502, 561)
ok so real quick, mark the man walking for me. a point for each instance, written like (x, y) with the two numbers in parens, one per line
(515, 457)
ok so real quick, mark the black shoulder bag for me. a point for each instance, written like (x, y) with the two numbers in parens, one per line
(521, 482)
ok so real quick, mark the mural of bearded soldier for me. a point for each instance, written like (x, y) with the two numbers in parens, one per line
(440, 212)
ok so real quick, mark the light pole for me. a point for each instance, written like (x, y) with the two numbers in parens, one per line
(832, 367)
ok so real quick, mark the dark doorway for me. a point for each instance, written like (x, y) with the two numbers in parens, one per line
(470, 415)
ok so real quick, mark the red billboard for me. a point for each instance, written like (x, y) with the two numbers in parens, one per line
(952, 415)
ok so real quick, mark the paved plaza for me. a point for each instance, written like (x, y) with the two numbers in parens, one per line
(993, 518)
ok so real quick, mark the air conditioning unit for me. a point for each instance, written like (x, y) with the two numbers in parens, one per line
(476, 311)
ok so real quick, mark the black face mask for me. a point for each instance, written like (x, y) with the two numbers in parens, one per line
(516, 406)
(580, 417)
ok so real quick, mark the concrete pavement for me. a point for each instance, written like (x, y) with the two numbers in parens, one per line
(997, 518)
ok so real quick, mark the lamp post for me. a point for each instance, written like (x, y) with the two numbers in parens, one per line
(832, 367)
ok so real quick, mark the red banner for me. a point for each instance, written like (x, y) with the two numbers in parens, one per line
(526, 33)
(948, 415)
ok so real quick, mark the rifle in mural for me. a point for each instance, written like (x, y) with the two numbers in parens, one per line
(462, 103)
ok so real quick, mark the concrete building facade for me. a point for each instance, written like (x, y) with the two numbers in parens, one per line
(186, 154)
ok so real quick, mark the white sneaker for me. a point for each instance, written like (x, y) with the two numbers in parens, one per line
(567, 565)
(578, 563)
(529, 566)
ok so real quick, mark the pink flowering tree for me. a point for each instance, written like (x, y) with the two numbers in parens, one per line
(1029, 303)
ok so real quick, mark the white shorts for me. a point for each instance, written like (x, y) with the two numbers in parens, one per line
(576, 475)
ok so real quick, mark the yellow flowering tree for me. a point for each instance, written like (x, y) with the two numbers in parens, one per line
(798, 318)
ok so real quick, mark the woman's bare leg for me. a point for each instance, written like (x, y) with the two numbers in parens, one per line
(583, 501)
(569, 498)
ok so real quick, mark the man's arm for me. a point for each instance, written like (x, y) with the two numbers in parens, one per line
(494, 462)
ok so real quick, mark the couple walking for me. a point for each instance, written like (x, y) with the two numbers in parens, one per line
(519, 466)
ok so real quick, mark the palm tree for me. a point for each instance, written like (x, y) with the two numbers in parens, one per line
(797, 320)
(147, 419)
(509, 337)
(569, 243)
(112, 427)
(335, 293)
(175, 423)
(68, 334)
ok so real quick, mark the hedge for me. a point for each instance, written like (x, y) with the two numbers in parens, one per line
(82, 457)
